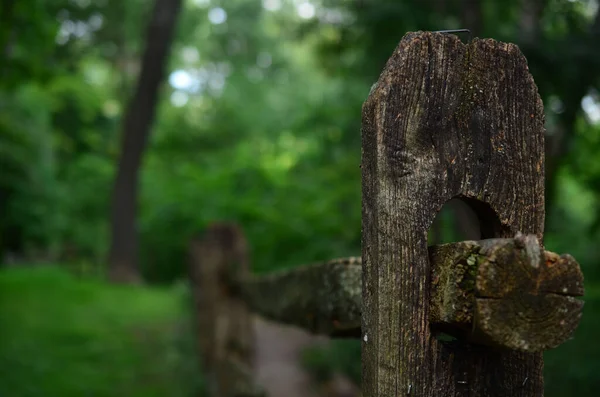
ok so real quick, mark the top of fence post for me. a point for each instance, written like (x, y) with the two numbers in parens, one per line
(444, 120)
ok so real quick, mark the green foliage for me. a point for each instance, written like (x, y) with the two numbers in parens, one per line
(570, 369)
(71, 337)
(28, 166)
(340, 357)
(270, 138)
(267, 135)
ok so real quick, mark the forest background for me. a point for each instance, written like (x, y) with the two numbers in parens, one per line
(128, 126)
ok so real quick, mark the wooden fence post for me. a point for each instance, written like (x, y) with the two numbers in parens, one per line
(446, 120)
(224, 324)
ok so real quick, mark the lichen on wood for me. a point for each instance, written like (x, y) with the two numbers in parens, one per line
(505, 292)
(454, 267)
(321, 298)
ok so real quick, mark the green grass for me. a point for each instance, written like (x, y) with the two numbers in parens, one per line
(62, 337)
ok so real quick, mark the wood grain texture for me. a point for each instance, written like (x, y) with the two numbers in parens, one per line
(444, 120)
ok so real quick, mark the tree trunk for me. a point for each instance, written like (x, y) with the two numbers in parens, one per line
(123, 256)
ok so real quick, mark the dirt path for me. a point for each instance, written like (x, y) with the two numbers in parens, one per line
(278, 350)
(277, 362)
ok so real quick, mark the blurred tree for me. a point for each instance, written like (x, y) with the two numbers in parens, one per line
(137, 123)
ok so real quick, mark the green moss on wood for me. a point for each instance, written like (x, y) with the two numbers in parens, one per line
(323, 298)
(505, 292)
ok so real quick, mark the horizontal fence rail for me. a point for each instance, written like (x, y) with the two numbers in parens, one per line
(499, 292)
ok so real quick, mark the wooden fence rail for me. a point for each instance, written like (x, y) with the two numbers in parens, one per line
(501, 292)
(445, 120)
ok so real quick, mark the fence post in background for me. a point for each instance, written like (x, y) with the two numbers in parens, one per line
(445, 120)
(224, 328)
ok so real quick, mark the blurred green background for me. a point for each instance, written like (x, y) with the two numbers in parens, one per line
(257, 121)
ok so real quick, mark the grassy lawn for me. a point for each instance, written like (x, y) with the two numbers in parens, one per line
(62, 337)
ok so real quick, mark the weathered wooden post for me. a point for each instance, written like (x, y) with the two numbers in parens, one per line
(445, 120)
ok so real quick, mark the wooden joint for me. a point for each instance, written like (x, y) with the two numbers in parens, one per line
(505, 292)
